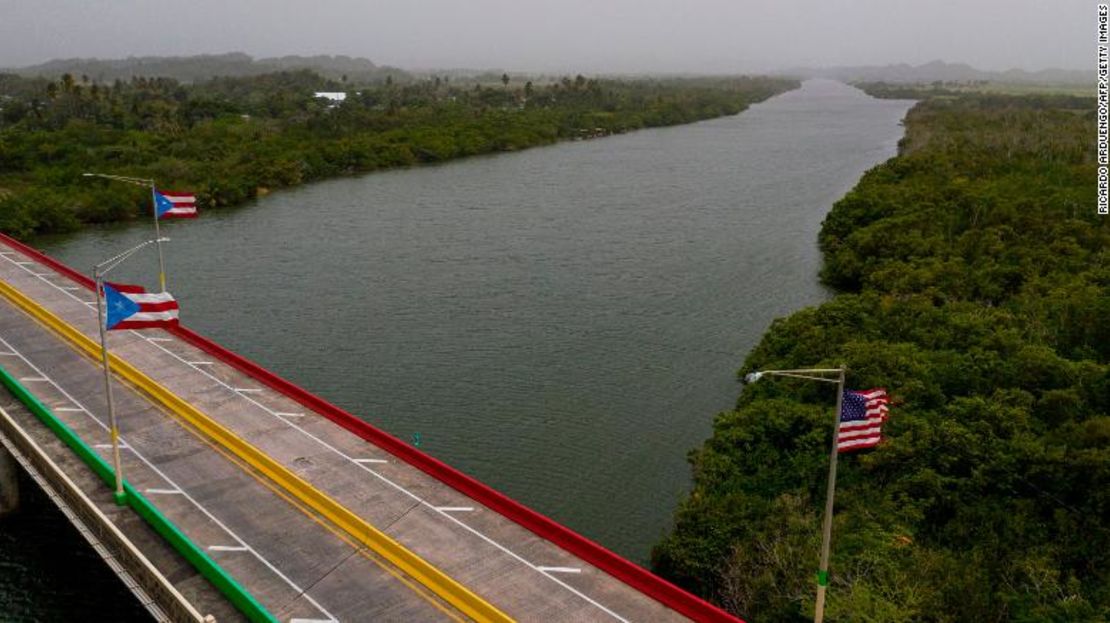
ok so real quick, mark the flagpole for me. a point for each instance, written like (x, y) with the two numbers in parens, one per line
(113, 428)
(830, 492)
(158, 236)
(139, 181)
(99, 271)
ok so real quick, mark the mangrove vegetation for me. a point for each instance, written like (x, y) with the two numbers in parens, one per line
(231, 139)
(973, 282)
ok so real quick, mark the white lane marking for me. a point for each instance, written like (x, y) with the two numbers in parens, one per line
(396, 486)
(165, 491)
(371, 461)
(8, 355)
(108, 446)
(455, 509)
(69, 409)
(24, 264)
(312, 620)
(204, 511)
(284, 414)
(410, 494)
(226, 548)
(247, 390)
(41, 274)
(90, 303)
(67, 287)
(560, 569)
(200, 363)
(32, 379)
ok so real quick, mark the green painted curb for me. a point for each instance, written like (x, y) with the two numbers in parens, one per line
(214, 573)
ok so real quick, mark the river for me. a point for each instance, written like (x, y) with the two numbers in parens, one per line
(562, 323)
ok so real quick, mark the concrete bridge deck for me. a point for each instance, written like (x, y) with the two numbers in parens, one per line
(303, 560)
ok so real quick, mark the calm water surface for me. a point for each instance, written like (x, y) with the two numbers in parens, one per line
(562, 323)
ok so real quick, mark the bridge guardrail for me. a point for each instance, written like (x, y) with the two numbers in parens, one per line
(156, 593)
(208, 568)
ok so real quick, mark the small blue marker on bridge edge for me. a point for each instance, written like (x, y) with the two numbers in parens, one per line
(416, 439)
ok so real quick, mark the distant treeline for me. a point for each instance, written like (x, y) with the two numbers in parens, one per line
(974, 284)
(952, 73)
(230, 139)
(1034, 96)
(203, 67)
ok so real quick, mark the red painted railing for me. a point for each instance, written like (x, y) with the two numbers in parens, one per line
(628, 572)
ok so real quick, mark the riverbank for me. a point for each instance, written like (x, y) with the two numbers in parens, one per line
(973, 284)
(231, 140)
(555, 322)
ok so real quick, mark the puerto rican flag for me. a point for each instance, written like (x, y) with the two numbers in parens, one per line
(132, 307)
(169, 204)
(861, 419)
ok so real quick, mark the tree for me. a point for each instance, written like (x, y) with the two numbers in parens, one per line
(232, 135)
(972, 289)
(505, 80)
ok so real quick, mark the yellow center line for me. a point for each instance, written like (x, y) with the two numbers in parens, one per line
(443, 585)
(420, 590)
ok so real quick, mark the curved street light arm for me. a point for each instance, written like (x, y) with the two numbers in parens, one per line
(107, 265)
(138, 181)
(811, 374)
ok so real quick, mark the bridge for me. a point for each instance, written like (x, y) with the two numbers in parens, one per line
(249, 498)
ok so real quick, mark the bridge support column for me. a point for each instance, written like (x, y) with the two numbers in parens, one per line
(9, 482)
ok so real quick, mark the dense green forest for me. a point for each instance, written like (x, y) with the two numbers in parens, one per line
(973, 281)
(230, 139)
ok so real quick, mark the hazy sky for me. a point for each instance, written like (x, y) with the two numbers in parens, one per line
(559, 35)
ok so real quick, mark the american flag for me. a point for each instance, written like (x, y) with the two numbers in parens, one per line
(861, 419)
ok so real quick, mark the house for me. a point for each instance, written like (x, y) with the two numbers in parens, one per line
(334, 98)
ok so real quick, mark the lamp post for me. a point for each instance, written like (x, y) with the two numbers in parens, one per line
(138, 181)
(824, 375)
(99, 271)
